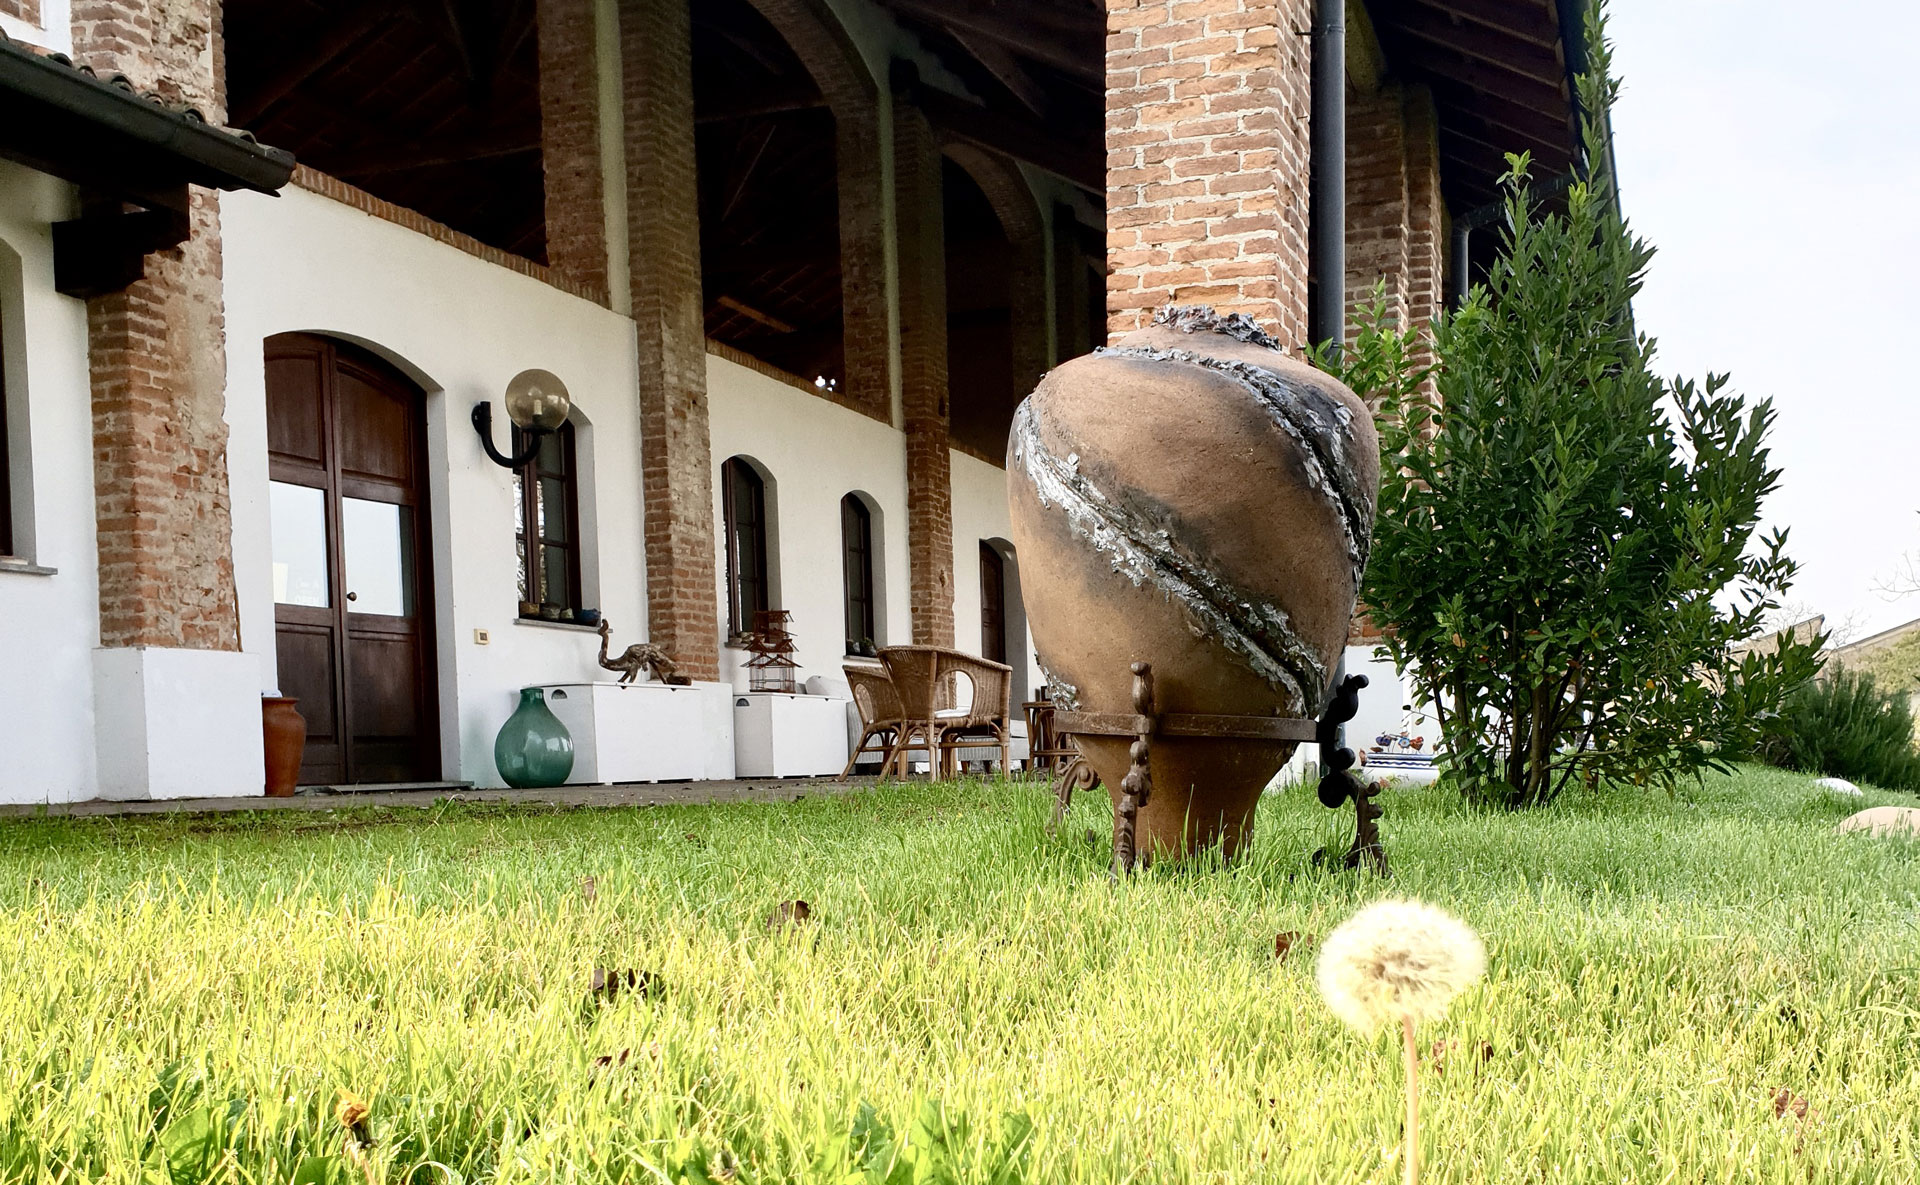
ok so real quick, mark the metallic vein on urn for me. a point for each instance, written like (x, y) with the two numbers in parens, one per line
(1318, 423)
(1145, 553)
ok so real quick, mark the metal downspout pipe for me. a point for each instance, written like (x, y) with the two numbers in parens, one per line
(1327, 197)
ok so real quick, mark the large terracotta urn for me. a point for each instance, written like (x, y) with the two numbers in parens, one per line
(1192, 498)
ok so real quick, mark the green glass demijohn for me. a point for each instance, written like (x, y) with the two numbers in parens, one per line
(534, 750)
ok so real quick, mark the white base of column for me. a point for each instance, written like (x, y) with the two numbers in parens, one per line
(177, 723)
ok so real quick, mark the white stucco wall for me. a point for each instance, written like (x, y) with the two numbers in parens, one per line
(815, 453)
(461, 327)
(980, 513)
(49, 623)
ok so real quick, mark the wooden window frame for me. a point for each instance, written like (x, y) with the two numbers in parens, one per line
(856, 571)
(533, 558)
(736, 472)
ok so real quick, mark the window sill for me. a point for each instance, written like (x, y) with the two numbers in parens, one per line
(543, 624)
(25, 567)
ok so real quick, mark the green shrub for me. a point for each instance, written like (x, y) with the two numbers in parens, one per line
(1846, 726)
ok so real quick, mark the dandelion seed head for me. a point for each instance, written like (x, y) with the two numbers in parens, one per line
(1396, 959)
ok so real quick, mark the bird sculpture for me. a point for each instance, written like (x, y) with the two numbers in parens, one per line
(637, 656)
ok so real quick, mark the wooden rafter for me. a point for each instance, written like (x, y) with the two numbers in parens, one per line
(327, 49)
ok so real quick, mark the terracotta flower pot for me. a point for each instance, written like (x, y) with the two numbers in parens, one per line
(1192, 498)
(285, 733)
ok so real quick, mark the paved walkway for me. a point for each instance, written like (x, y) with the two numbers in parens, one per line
(640, 794)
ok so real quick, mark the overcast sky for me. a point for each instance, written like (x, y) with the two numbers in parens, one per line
(1769, 151)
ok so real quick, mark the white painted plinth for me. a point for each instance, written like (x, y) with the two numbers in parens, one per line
(646, 732)
(777, 735)
(177, 723)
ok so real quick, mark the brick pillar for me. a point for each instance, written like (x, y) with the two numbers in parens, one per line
(664, 251)
(1377, 215)
(863, 255)
(1426, 211)
(157, 363)
(570, 142)
(923, 373)
(1208, 103)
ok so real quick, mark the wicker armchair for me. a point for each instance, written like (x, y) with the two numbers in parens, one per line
(881, 715)
(925, 677)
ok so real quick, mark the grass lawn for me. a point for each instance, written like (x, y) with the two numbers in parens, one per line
(1658, 968)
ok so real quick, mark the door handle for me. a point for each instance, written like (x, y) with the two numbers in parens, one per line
(353, 596)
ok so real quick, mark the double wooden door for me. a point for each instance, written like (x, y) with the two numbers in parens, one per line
(352, 590)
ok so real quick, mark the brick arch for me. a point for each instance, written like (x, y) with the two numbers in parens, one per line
(853, 95)
(1014, 204)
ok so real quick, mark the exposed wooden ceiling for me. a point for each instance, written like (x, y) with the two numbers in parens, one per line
(769, 210)
(431, 104)
(1498, 73)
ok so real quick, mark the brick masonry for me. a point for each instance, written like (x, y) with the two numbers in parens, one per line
(570, 142)
(1395, 219)
(676, 463)
(1208, 107)
(157, 364)
(26, 10)
(923, 374)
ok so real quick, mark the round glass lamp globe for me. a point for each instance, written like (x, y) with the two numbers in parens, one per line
(537, 401)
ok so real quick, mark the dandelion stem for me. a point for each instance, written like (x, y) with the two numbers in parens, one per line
(1413, 1101)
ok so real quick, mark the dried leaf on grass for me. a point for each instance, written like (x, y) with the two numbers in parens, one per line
(1288, 941)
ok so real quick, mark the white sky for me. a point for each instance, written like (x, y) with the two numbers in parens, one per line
(1769, 151)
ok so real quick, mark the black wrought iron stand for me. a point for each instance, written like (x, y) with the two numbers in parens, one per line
(1337, 782)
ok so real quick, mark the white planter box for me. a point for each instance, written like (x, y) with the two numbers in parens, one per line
(777, 735)
(646, 732)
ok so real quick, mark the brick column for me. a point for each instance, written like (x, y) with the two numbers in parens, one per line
(1014, 205)
(157, 362)
(923, 373)
(1377, 215)
(570, 142)
(1208, 103)
(664, 243)
(1426, 210)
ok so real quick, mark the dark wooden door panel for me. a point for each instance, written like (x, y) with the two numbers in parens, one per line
(376, 430)
(296, 411)
(307, 672)
(342, 421)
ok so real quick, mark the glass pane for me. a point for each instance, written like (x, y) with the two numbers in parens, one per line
(298, 515)
(557, 588)
(379, 566)
(552, 460)
(553, 511)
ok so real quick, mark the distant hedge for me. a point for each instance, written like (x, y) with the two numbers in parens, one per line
(1844, 725)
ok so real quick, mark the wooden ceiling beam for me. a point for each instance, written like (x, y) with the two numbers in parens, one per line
(998, 61)
(1494, 49)
(1479, 76)
(325, 50)
(1036, 32)
(756, 106)
(1529, 20)
(433, 152)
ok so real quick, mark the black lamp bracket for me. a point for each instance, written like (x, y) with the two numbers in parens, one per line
(483, 424)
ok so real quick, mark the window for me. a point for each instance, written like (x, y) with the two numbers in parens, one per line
(546, 523)
(856, 562)
(744, 505)
(993, 604)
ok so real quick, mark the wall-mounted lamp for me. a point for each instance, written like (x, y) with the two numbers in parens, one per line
(537, 403)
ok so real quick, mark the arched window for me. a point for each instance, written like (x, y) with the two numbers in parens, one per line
(993, 603)
(546, 523)
(744, 505)
(856, 563)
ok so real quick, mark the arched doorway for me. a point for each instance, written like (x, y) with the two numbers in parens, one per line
(352, 586)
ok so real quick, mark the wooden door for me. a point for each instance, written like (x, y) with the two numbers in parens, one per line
(353, 594)
(993, 604)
